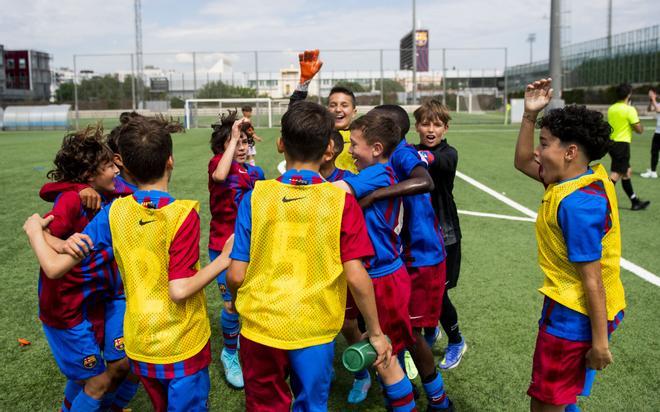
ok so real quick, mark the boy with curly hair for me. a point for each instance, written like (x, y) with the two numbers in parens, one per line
(579, 242)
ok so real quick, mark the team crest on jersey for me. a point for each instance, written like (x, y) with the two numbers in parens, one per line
(223, 288)
(119, 343)
(89, 362)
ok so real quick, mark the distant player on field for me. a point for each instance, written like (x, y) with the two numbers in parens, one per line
(624, 120)
(654, 106)
(252, 149)
(579, 241)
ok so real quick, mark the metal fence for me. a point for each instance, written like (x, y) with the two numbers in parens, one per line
(632, 57)
(110, 81)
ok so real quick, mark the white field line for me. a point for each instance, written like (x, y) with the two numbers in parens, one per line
(626, 264)
(495, 216)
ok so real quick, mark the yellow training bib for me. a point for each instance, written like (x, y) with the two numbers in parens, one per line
(345, 160)
(563, 282)
(156, 329)
(294, 292)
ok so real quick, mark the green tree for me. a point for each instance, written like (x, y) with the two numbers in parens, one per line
(390, 86)
(218, 89)
(352, 86)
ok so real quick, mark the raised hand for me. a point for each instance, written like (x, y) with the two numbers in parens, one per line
(309, 64)
(538, 95)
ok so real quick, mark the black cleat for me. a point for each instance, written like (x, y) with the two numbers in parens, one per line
(640, 205)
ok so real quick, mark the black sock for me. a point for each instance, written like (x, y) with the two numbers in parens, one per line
(627, 187)
(654, 160)
(449, 320)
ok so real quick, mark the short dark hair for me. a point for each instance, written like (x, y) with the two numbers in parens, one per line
(222, 131)
(343, 90)
(113, 136)
(81, 155)
(623, 90)
(378, 128)
(577, 124)
(338, 139)
(397, 114)
(246, 108)
(145, 145)
(306, 131)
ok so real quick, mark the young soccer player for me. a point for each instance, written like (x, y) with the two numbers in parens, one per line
(91, 199)
(423, 249)
(329, 170)
(341, 103)
(155, 240)
(373, 139)
(579, 243)
(299, 242)
(654, 106)
(67, 300)
(252, 150)
(624, 120)
(432, 122)
(229, 181)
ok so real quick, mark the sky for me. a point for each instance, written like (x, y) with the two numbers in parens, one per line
(67, 27)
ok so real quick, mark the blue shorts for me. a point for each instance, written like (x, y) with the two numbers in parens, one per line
(76, 351)
(222, 278)
(113, 345)
(188, 393)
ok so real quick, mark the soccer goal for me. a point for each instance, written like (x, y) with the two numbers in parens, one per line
(204, 112)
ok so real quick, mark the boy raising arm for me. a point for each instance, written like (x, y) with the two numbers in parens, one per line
(579, 243)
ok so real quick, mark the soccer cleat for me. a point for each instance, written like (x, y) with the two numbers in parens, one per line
(649, 174)
(233, 372)
(453, 355)
(432, 339)
(449, 408)
(359, 390)
(640, 204)
(411, 369)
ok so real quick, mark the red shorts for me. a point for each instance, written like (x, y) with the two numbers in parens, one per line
(392, 297)
(427, 288)
(559, 369)
(352, 310)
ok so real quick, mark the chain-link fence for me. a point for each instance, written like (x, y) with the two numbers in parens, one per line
(468, 80)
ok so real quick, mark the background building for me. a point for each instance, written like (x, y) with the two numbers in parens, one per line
(25, 76)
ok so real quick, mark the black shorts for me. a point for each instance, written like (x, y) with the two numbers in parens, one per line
(620, 154)
(453, 264)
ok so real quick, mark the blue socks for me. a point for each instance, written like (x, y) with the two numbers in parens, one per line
(230, 330)
(400, 396)
(363, 374)
(125, 393)
(71, 391)
(85, 403)
(435, 392)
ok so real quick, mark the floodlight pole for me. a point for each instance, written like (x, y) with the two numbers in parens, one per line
(506, 81)
(194, 62)
(444, 76)
(382, 75)
(555, 46)
(609, 27)
(414, 54)
(75, 90)
(256, 77)
(133, 80)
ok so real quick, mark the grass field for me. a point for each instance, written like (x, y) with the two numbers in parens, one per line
(497, 302)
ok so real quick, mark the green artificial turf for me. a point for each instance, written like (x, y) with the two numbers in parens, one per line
(496, 299)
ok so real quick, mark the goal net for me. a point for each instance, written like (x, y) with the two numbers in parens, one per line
(204, 112)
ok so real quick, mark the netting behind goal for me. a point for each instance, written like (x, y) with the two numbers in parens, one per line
(201, 113)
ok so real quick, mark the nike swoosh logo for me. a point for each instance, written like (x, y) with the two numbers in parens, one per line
(144, 222)
(291, 199)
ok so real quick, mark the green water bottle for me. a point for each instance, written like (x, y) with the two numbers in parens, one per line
(360, 355)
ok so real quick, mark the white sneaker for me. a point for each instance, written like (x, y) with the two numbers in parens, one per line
(649, 174)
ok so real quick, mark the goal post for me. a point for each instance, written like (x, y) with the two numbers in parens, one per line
(204, 112)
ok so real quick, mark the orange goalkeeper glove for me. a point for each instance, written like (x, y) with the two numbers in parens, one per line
(309, 65)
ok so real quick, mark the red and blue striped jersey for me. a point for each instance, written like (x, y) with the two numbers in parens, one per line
(383, 218)
(423, 243)
(63, 302)
(224, 198)
(339, 174)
